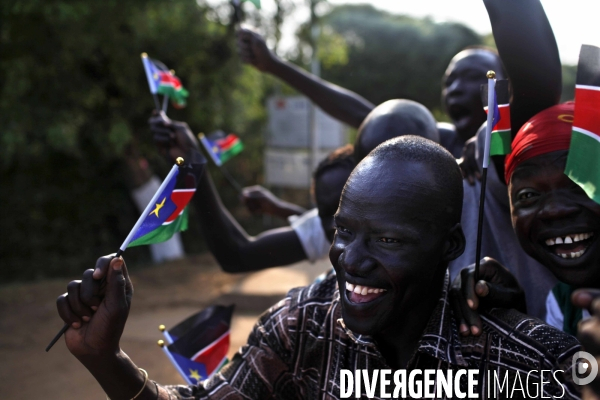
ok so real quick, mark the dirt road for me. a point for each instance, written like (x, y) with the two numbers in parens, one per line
(164, 294)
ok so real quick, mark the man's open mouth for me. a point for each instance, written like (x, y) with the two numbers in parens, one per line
(458, 112)
(570, 246)
(362, 294)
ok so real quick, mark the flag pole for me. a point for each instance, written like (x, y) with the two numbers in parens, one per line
(151, 83)
(165, 104)
(179, 162)
(491, 75)
(166, 334)
(230, 179)
(163, 346)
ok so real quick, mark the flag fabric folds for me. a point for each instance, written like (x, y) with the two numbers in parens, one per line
(583, 162)
(501, 138)
(221, 148)
(163, 81)
(168, 214)
(200, 343)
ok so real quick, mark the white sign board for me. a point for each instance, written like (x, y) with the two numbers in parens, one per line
(289, 168)
(290, 121)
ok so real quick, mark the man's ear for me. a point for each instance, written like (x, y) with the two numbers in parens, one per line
(455, 243)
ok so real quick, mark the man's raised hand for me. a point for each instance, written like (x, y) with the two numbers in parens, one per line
(173, 138)
(253, 50)
(97, 310)
(496, 288)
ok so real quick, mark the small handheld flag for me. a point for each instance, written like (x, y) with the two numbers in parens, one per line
(583, 161)
(500, 140)
(198, 346)
(492, 119)
(164, 215)
(163, 81)
(221, 148)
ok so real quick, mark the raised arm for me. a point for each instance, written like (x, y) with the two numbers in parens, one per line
(260, 201)
(234, 249)
(528, 50)
(338, 102)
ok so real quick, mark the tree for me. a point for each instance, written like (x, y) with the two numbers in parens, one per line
(392, 56)
(74, 102)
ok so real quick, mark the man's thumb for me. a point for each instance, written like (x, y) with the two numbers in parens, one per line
(115, 288)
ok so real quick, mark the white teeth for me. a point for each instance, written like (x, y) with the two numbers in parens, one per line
(563, 255)
(568, 239)
(362, 290)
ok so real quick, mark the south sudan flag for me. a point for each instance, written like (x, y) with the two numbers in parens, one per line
(583, 162)
(169, 213)
(163, 81)
(501, 134)
(221, 148)
(200, 343)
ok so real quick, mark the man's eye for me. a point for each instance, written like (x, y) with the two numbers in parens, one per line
(527, 194)
(388, 240)
(341, 229)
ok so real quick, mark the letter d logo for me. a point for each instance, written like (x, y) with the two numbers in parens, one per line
(584, 364)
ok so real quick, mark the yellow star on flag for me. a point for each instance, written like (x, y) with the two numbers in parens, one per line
(158, 207)
(195, 375)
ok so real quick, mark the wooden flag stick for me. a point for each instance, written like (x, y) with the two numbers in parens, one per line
(491, 75)
(165, 104)
(129, 237)
(230, 179)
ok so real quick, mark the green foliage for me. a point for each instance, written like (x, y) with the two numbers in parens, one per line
(393, 56)
(74, 102)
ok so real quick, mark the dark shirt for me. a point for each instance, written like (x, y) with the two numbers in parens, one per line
(298, 347)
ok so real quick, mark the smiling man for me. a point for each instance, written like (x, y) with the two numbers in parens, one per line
(395, 234)
(554, 219)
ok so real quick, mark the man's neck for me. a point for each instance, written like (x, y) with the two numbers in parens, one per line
(399, 342)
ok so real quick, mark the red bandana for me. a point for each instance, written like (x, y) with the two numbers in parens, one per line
(545, 132)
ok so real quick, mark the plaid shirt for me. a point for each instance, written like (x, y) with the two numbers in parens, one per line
(298, 347)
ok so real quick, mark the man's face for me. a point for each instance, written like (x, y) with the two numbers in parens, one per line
(462, 87)
(555, 221)
(328, 189)
(387, 243)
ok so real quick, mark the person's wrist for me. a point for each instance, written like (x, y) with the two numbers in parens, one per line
(102, 359)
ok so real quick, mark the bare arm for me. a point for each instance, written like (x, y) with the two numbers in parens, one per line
(528, 49)
(338, 102)
(259, 200)
(234, 249)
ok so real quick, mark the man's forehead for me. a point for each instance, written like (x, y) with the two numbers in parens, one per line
(390, 181)
(473, 58)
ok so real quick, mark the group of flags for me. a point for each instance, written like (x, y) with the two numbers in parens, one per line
(583, 161)
(198, 346)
